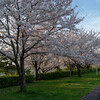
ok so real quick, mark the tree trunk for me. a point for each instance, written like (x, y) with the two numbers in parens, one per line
(36, 71)
(22, 82)
(78, 70)
(70, 68)
(22, 76)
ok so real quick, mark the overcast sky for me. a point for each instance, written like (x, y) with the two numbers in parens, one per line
(90, 9)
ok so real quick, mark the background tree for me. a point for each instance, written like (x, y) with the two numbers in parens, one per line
(43, 63)
(78, 46)
(70, 64)
(7, 66)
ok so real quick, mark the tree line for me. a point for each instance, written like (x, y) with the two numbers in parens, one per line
(39, 32)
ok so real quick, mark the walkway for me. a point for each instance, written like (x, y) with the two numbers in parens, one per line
(93, 95)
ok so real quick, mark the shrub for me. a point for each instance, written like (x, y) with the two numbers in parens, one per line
(60, 74)
(53, 75)
(6, 81)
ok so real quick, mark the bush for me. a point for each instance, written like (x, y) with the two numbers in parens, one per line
(53, 75)
(60, 74)
(6, 81)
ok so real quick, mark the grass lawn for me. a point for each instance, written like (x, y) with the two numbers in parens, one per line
(61, 89)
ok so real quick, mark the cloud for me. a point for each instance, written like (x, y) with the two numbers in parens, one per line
(90, 9)
(91, 23)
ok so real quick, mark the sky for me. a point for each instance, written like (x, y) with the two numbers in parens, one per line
(90, 9)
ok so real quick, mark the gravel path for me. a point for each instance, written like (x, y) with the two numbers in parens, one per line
(93, 95)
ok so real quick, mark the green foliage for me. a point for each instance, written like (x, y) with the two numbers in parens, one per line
(98, 68)
(60, 74)
(58, 68)
(6, 81)
(28, 71)
(7, 66)
(53, 75)
(84, 71)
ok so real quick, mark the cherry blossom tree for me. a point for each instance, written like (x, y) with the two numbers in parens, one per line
(25, 24)
(69, 64)
(78, 46)
(43, 63)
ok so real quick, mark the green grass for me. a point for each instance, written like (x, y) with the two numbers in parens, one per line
(61, 89)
